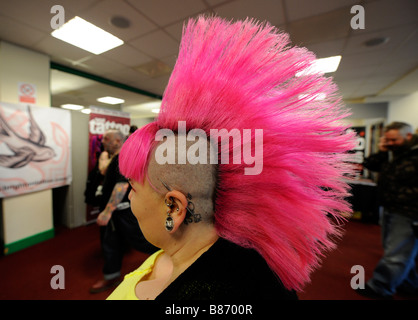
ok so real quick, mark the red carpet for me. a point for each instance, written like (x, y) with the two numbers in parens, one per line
(26, 274)
(360, 245)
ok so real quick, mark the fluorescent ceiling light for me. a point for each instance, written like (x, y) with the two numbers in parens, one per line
(70, 106)
(110, 100)
(86, 111)
(324, 65)
(155, 110)
(87, 36)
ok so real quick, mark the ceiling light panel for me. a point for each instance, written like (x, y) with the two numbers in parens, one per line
(87, 36)
(70, 106)
(110, 100)
(324, 65)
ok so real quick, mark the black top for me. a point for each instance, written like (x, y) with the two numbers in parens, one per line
(227, 271)
(112, 177)
(398, 178)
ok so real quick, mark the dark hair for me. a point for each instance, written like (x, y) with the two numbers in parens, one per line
(404, 128)
(132, 129)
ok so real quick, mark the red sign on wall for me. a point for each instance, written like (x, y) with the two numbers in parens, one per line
(27, 93)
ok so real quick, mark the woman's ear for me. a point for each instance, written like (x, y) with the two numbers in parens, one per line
(178, 207)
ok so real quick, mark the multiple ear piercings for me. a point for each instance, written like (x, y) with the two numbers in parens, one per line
(191, 216)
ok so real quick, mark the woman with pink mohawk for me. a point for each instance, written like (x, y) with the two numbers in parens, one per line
(238, 96)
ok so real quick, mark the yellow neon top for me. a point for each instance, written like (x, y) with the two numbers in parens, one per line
(126, 290)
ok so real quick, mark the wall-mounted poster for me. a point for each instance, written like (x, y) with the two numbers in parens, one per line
(35, 144)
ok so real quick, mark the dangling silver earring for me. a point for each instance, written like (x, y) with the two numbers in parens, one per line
(169, 222)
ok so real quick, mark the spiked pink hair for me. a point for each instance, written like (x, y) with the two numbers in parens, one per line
(243, 75)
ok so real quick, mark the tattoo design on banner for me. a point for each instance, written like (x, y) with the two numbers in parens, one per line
(100, 121)
(35, 144)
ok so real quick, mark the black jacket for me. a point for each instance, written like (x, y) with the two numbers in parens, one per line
(111, 178)
(227, 272)
(398, 178)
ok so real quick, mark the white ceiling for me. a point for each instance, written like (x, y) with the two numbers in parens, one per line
(322, 26)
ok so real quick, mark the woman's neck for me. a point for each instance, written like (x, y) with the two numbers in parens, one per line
(192, 246)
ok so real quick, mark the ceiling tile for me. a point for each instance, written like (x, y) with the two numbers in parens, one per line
(213, 3)
(155, 85)
(127, 55)
(127, 76)
(327, 48)
(347, 86)
(389, 13)
(175, 30)
(101, 14)
(263, 10)
(408, 50)
(396, 68)
(61, 50)
(156, 44)
(100, 65)
(166, 12)
(397, 36)
(18, 33)
(317, 28)
(37, 14)
(300, 9)
(170, 60)
(378, 83)
(73, 5)
(364, 59)
(405, 85)
(349, 69)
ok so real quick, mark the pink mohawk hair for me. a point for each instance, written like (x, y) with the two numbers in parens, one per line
(245, 75)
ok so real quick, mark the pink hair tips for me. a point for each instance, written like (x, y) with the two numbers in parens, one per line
(243, 75)
(134, 155)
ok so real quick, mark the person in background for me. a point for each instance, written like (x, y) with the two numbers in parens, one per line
(132, 129)
(118, 225)
(397, 164)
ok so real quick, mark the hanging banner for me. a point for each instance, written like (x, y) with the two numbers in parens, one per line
(359, 151)
(100, 121)
(35, 144)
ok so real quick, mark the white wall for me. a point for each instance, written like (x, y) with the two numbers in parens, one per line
(368, 110)
(31, 214)
(404, 109)
(69, 206)
(140, 122)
